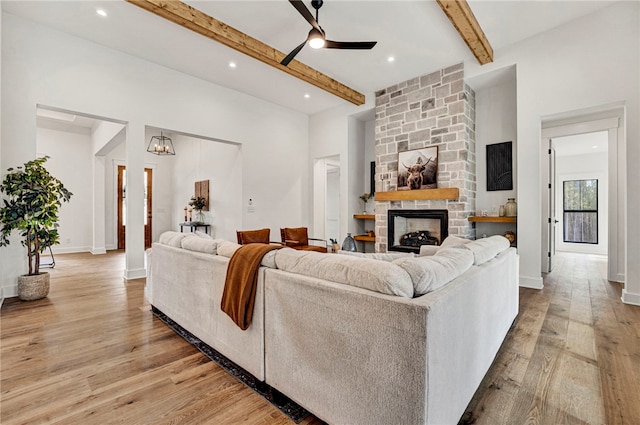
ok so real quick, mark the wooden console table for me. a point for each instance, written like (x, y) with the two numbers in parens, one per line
(195, 226)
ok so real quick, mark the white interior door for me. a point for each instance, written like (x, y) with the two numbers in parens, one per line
(332, 226)
(552, 219)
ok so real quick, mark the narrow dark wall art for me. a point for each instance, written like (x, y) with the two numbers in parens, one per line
(499, 166)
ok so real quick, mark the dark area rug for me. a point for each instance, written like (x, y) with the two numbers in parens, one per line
(273, 396)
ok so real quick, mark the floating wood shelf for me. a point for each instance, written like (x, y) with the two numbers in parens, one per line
(490, 219)
(421, 194)
(364, 216)
(365, 238)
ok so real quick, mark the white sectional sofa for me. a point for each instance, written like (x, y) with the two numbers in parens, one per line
(355, 339)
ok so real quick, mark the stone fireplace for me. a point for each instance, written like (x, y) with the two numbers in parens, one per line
(410, 229)
(437, 109)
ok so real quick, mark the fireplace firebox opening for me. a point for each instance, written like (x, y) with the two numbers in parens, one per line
(410, 229)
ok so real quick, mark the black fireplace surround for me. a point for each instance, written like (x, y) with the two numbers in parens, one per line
(410, 241)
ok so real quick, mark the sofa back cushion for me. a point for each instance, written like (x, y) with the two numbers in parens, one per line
(487, 248)
(172, 238)
(429, 273)
(382, 256)
(379, 276)
(199, 244)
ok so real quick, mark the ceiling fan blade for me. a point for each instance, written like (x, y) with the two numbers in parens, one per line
(293, 54)
(328, 44)
(302, 9)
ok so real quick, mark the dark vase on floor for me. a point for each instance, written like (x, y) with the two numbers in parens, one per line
(349, 244)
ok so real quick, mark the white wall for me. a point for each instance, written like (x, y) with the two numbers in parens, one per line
(70, 162)
(221, 163)
(590, 62)
(496, 122)
(332, 133)
(582, 167)
(43, 66)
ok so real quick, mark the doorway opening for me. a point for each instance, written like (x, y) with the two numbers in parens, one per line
(122, 206)
(581, 181)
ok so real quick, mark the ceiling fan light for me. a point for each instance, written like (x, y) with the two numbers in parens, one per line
(316, 39)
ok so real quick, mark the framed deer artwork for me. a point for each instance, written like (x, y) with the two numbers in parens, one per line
(418, 169)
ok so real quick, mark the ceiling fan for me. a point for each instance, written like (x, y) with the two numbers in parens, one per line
(316, 37)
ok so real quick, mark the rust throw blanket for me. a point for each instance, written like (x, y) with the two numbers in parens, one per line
(241, 283)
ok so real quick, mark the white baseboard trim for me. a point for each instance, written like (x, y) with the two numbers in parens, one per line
(617, 278)
(70, 250)
(531, 282)
(9, 291)
(98, 251)
(629, 298)
(135, 274)
(111, 247)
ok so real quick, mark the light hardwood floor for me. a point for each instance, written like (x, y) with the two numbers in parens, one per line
(92, 353)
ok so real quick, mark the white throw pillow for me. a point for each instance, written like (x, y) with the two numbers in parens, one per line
(432, 272)
(486, 249)
(379, 276)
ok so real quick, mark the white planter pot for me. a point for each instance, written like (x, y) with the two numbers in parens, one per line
(34, 287)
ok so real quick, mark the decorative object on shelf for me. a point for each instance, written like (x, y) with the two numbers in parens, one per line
(365, 198)
(501, 212)
(198, 203)
(335, 244)
(349, 244)
(33, 199)
(371, 233)
(511, 236)
(499, 167)
(161, 145)
(511, 208)
(418, 169)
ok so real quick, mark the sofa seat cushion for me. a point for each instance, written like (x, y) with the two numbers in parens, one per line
(429, 273)
(486, 249)
(173, 238)
(374, 275)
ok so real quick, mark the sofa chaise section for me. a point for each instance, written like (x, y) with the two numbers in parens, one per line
(354, 356)
(187, 286)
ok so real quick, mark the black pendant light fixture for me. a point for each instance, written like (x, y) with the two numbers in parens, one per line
(161, 145)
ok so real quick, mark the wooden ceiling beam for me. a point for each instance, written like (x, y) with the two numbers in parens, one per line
(195, 20)
(463, 19)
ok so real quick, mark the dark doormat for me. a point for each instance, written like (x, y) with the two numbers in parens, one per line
(287, 406)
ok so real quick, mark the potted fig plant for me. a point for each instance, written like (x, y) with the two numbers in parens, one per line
(32, 198)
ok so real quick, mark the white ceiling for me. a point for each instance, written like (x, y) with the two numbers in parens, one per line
(416, 33)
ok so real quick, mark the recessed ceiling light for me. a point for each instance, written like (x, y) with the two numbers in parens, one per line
(102, 12)
(307, 95)
(594, 147)
(232, 65)
(391, 59)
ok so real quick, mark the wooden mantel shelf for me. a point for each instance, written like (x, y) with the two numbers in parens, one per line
(421, 194)
(490, 219)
